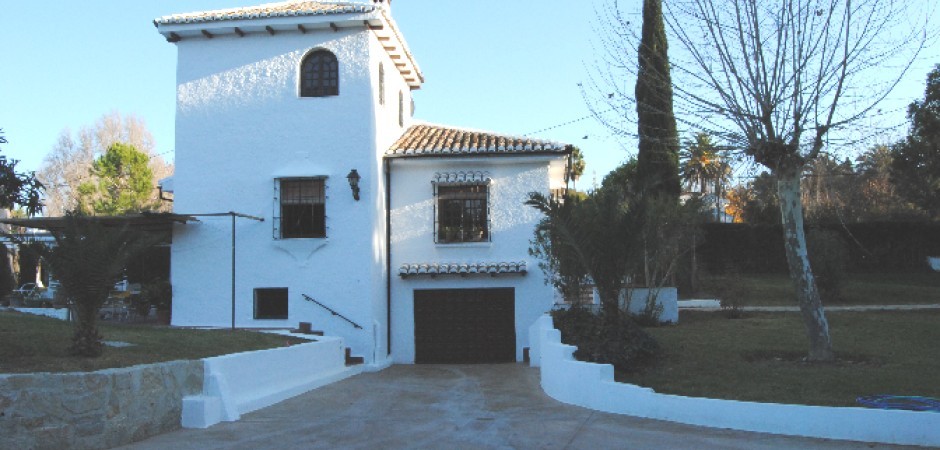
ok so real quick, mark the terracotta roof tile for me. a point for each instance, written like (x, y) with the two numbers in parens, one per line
(436, 140)
(281, 9)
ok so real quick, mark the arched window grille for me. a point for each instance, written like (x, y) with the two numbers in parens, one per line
(319, 74)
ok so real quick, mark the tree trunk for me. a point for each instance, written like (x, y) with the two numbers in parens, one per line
(794, 238)
(86, 341)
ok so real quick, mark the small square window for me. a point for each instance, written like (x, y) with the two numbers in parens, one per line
(271, 303)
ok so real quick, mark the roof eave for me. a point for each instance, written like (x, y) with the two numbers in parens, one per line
(378, 21)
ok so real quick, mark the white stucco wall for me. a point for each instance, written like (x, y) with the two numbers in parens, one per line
(511, 227)
(240, 125)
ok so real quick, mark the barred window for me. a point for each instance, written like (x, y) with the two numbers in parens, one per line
(319, 74)
(462, 213)
(302, 205)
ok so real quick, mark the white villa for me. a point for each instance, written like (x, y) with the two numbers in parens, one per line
(297, 116)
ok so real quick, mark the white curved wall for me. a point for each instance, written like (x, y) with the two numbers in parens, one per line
(592, 386)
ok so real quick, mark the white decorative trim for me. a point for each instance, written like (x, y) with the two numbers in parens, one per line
(480, 268)
(469, 177)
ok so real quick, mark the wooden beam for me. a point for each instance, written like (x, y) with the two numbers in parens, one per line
(384, 38)
(207, 34)
(395, 56)
(400, 64)
(270, 30)
(374, 27)
(334, 27)
(302, 29)
(390, 47)
(173, 38)
(239, 32)
(405, 72)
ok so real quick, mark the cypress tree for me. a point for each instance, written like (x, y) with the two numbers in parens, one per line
(658, 158)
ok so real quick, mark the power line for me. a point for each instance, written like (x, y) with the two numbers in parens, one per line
(570, 122)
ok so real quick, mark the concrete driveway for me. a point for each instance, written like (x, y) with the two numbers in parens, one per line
(457, 407)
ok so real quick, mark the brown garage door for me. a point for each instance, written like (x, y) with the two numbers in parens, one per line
(465, 326)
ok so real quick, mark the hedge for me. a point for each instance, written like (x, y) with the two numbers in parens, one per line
(873, 246)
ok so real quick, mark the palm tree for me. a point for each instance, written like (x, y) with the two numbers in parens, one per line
(88, 259)
(702, 164)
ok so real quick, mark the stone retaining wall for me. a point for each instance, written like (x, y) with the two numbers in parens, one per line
(94, 410)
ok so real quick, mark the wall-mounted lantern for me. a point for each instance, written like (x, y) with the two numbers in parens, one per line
(354, 178)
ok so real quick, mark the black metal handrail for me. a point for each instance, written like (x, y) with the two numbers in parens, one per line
(310, 299)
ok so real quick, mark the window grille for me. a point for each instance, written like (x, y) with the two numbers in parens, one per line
(301, 207)
(319, 74)
(462, 213)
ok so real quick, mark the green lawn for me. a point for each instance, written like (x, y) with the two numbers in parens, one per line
(859, 289)
(758, 358)
(38, 344)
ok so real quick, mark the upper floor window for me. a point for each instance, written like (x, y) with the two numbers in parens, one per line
(319, 74)
(462, 213)
(381, 84)
(302, 208)
(401, 109)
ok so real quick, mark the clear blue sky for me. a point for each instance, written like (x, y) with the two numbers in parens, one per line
(509, 66)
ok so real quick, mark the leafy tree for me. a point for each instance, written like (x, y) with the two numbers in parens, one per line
(88, 259)
(612, 236)
(123, 183)
(18, 189)
(916, 167)
(774, 78)
(763, 206)
(829, 190)
(878, 195)
(658, 156)
(69, 163)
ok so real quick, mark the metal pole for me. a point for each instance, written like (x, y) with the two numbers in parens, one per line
(233, 269)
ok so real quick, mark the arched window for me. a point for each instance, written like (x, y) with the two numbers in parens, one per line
(319, 74)
(381, 84)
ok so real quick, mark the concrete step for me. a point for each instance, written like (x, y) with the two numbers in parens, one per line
(353, 360)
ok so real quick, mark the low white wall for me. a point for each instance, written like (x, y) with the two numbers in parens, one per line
(666, 299)
(592, 386)
(55, 313)
(243, 382)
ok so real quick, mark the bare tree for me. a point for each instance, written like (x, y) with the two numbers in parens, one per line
(775, 79)
(69, 162)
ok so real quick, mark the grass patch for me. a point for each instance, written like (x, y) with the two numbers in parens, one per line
(39, 344)
(759, 358)
(859, 289)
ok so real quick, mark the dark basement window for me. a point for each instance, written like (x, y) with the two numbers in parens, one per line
(270, 303)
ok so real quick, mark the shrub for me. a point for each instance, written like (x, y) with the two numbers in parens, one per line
(828, 256)
(618, 341)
